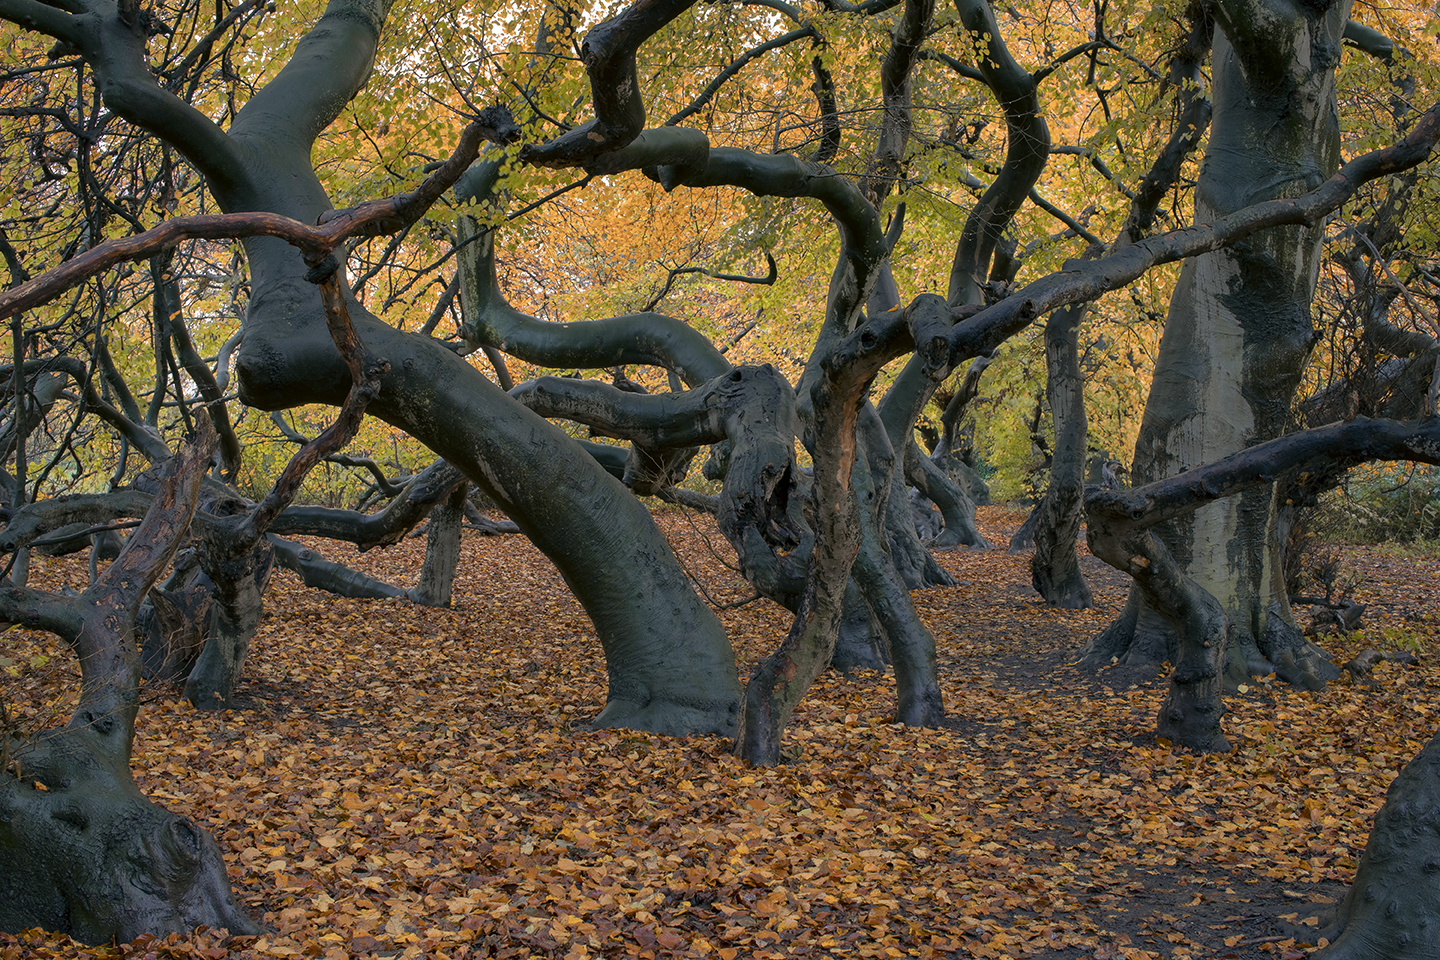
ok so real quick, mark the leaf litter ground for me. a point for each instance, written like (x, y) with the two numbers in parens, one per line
(403, 781)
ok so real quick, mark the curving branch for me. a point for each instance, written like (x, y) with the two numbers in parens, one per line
(886, 164)
(489, 321)
(608, 53)
(1027, 148)
(1087, 280)
(768, 280)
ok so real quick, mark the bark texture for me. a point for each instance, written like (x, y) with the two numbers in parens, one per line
(1122, 525)
(1239, 328)
(1392, 911)
(81, 850)
(442, 551)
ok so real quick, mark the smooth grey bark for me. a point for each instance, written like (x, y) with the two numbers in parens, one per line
(860, 643)
(1239, 327)
(670, 665)
(1392, 911)
(442, 551)
(81, 850)
(1122, 533)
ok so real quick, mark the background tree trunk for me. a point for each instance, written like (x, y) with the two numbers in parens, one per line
(442, 550)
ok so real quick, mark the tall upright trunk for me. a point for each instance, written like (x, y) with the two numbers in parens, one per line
(1239, 328)
(1055, 566)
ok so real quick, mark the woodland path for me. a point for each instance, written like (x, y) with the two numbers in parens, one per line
(413, 782)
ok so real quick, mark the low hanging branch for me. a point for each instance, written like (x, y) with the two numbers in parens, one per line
(1121, 525)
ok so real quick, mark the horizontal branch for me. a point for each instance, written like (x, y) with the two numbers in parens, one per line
(1310, 453)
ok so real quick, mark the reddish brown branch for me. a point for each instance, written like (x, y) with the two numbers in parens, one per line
(366, 375)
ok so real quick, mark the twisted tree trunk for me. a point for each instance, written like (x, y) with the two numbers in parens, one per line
(81, 850)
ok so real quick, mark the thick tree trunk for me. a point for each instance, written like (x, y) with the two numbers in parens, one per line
(81, 851)
(1392, 911)
(1121, 533)
(907, 639)
(237, 581)
(1239, 327)
(88, 855)
(1190, 715)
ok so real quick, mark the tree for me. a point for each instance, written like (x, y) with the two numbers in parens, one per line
(841, 534)
(82, 850)
(1239, 331)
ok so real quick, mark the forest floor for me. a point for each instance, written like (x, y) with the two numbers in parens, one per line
(412, 782)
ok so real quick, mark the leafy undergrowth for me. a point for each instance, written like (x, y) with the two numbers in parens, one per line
(414, 782)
